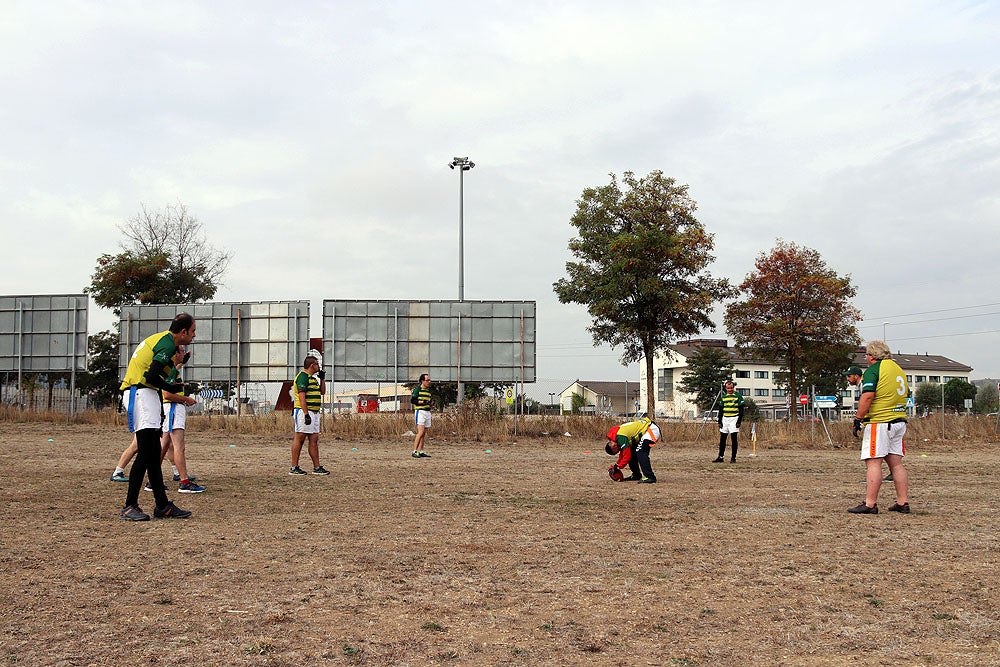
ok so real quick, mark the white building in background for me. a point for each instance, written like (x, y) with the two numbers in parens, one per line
(755, 379)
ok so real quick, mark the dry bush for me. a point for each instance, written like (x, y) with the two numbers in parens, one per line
(482, 426)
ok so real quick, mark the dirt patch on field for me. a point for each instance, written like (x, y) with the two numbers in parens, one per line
(524, 555)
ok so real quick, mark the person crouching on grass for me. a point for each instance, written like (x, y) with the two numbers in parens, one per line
(631, 442)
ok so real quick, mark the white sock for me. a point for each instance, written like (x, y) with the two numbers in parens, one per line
(176, 471)
(119, 471)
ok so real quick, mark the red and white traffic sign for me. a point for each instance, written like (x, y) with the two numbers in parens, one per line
(803, 399)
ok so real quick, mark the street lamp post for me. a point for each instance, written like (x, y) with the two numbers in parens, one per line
(884, 325)
(552, 398)
(463, 164)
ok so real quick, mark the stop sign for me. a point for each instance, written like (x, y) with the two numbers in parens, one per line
(803, 399)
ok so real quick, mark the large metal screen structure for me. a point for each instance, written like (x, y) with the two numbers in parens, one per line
(262, 341)
(454, 341)
(44, 334)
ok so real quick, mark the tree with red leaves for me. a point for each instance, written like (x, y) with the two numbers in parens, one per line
(796, 312)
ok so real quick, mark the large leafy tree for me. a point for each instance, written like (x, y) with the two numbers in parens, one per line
(708, 368)
(956, 391)
(641, 259)
(987, 398)
(101, 380)
(165, 258)
(927, 396)
(796, 312)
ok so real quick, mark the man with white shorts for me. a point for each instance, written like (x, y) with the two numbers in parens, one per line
(145, 379)
(174, 421)
(420, 399)
(881, 421)
(307, 394)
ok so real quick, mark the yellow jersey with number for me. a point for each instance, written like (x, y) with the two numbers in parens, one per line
(888, 381)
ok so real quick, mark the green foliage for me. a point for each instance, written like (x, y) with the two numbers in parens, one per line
(641, 259)
(956, 391)
(578, 402)
(165, 259)
(708, 369)
(751, 411)
(796, 312)
(927, 396)
(987, 399)
(101, 380)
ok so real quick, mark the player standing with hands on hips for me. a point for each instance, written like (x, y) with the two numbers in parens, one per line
(730, 419)
(881, 422)
(420, 399)
(307, 392)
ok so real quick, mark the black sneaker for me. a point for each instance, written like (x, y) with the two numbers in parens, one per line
(648, 480)
(864, 509)
(133, 513)
(149, 488)
(887, 478)
(719, 460)
(295, 470)
(415, 454)
(423, 455)
(896, 507)
(171, 511)
(320, 470)
(633, 478)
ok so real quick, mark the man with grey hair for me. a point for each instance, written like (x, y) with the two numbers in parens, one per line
(881, 421)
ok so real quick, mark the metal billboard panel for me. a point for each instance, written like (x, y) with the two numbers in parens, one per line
(43, 333)
(396, 341)
(260, 341)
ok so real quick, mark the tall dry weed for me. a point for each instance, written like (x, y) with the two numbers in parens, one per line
(477, 426)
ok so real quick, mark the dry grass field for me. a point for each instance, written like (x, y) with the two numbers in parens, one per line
(526, 554)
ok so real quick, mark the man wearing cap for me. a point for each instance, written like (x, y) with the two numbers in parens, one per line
(881, 421)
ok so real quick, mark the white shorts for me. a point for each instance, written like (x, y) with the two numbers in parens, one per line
(174, 417)
(422, 418)
(144, 407)
(879, 440)
(729, 425)
(300, 421)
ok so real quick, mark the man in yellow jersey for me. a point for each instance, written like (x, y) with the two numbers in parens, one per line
(731, 408)
(307, 393)
(623, 440)
(145, 379)
(881, 421)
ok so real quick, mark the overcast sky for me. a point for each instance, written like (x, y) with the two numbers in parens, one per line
(312, 140)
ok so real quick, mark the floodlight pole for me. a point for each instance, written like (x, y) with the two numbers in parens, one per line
(464, 164)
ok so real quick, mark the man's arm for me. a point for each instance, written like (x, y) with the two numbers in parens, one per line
(864, 404)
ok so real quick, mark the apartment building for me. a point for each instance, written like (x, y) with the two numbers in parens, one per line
(755, 378)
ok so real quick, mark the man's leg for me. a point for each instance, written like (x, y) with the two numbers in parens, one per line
(314, 449)
(418, 442)
(297, 448)
(722, 446)
(180, 454)
(873, 480)
(736, 444)
(900, 478)
(147, 462)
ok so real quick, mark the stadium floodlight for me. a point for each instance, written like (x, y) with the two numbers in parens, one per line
(464, 164)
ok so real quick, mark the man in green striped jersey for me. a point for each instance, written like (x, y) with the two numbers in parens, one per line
(307, 393)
